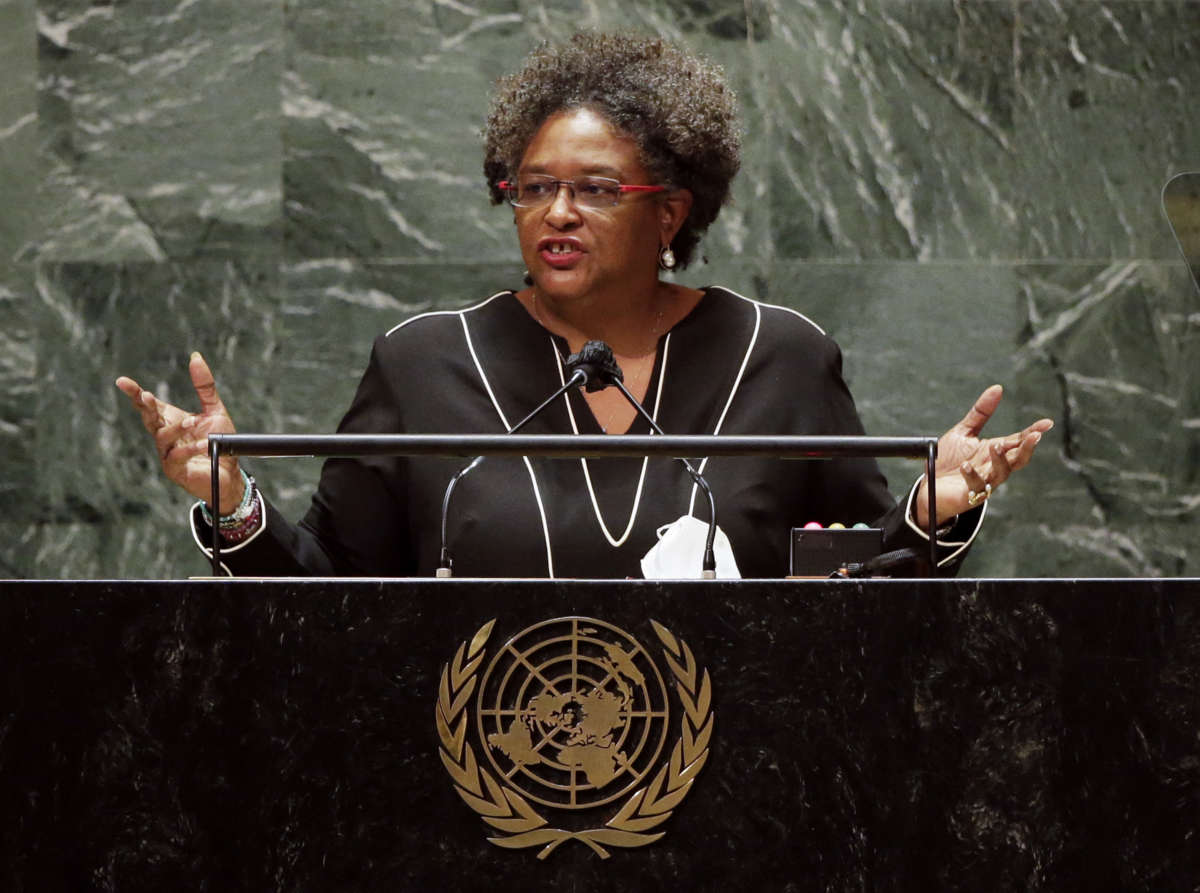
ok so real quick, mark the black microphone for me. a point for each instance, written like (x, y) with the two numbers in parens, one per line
(584, 374)
(597, 358)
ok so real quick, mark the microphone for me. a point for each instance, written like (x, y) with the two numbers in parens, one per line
(597, 358)
(585, 374)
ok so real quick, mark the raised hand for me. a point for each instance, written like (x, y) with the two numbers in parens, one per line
(181, 438)
(970, 468)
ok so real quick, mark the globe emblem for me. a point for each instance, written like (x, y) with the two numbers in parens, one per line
(572, 712)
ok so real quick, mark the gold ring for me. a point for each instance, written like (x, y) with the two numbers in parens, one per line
(973, 498)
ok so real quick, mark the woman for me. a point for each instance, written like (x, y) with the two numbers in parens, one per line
(616, 153)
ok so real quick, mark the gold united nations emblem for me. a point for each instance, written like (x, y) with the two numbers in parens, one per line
(572, 716)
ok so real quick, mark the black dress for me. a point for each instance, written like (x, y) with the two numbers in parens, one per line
(732, 366)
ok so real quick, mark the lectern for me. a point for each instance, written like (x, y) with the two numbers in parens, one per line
(325, 735)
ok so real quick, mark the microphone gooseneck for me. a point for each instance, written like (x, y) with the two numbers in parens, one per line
(580, 376)
(598, 356)
(595, 368)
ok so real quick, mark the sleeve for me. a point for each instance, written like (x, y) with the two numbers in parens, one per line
(857, 488)
(357, 523)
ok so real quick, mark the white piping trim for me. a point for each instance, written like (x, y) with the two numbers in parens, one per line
(637, 497)
(790, 310)
(962, 546)
(207, 549)
(737, 383)
(537, 493)
(401, 325)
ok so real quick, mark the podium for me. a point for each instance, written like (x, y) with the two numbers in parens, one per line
(885, 735)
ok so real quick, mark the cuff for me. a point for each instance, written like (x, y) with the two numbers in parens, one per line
(202, 530)
(956, 536)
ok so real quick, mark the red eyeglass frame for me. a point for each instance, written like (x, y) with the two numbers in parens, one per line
(621, 187)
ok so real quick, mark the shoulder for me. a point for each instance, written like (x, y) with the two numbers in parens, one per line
(437, 332)
(436, 322)
(729, 303)
(777, 330)
(775, 313)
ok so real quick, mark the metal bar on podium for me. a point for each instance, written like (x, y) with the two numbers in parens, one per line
(571, 446)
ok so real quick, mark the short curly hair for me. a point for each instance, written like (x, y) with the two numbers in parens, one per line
(674, 104)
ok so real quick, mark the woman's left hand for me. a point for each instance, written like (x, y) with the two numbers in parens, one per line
(969, 468)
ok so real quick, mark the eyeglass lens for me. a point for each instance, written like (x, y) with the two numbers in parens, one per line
(532, 190)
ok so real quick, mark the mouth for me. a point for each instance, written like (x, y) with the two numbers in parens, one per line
(560, 253)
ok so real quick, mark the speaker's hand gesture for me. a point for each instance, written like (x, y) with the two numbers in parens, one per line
(181, 438)
(970, 468)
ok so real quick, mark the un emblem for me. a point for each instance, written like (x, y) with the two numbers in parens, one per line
(572, 715)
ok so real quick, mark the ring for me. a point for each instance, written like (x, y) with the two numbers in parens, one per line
(973, 498)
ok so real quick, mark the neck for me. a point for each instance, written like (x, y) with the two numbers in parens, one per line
(630, 324)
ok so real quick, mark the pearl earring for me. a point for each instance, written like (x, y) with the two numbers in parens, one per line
(666, 259)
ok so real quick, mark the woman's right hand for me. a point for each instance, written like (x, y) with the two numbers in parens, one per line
(181, 438)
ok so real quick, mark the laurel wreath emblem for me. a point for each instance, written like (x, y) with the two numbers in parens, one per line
(507, 811)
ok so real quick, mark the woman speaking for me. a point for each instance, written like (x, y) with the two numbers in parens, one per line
(615, 154)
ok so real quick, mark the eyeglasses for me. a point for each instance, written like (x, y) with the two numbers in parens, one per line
(536, 190)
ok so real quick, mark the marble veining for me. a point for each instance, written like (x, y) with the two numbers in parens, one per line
(961, 193)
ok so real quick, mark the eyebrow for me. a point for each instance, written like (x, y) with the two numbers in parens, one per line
(597, 170)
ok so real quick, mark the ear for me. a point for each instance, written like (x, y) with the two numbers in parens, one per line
(673, 211)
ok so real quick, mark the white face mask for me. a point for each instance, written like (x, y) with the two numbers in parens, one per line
(679, 552)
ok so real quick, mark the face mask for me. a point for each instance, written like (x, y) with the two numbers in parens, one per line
(679, 552)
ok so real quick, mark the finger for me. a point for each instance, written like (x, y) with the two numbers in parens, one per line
(977, 416)
(152, 414)
(173, 429)
(1001, 468)
(978, 487)
(177, 451)
(129, 387)
(972, 477)
(205, 385)
(145, 408)
(1041, 426)
(169, 441)
(1025, 452)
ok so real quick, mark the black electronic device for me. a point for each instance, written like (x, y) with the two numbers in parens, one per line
(819, 552)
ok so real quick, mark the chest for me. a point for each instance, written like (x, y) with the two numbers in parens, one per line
(613, 413)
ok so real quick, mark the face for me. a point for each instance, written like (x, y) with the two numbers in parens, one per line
(590, 252)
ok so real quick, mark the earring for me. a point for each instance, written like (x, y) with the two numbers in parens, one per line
(527, 279)
(666, 259)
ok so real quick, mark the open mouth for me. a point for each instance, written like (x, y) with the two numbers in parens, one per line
(559, 253)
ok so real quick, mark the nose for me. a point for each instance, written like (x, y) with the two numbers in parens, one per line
(561, 212)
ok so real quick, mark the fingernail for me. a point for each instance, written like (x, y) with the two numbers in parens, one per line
(966, 466)
(1037, 437)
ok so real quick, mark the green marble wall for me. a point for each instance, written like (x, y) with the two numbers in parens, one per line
(960, 192)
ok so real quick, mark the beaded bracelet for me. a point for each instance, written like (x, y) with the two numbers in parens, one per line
(245, 519)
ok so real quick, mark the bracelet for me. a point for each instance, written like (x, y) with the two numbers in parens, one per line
(245, 519)
(250, 526)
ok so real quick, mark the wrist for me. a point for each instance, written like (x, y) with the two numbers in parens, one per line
(233, 496)
(246, 515)
(919, 507)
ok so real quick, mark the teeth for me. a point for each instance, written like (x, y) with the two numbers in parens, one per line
(559, 248)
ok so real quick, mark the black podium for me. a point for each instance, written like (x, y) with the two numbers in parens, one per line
(422, 735)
